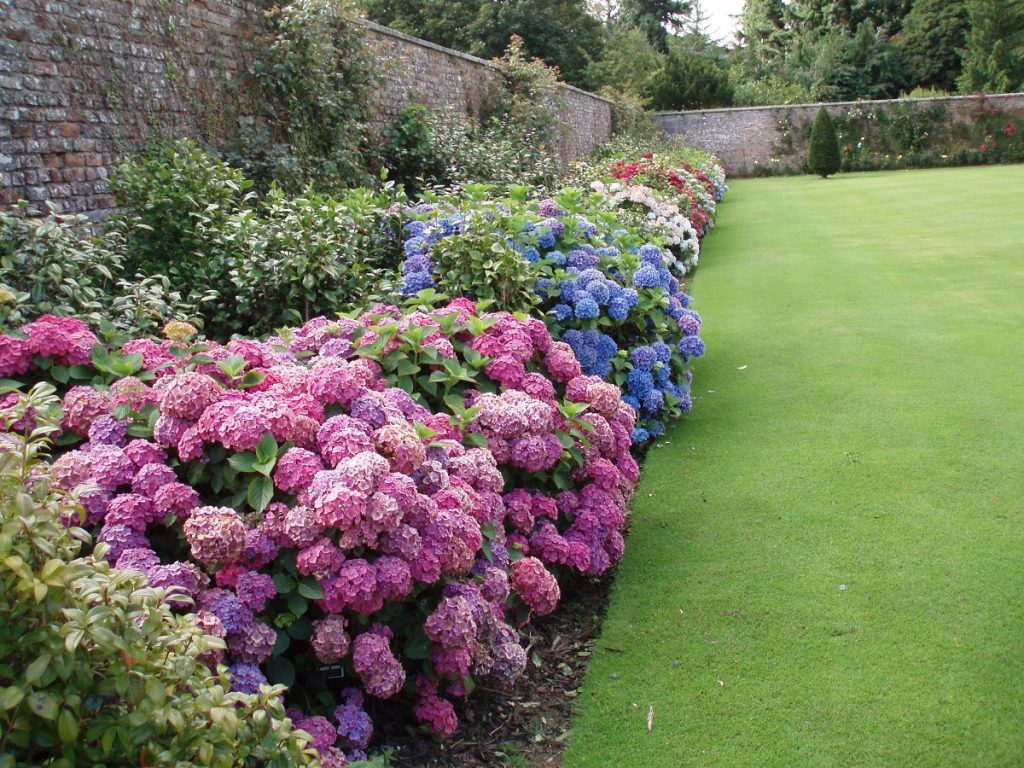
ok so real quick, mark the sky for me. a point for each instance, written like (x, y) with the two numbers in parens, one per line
(721, 25)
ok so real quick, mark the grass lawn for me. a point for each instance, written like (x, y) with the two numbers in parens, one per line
(826, 561)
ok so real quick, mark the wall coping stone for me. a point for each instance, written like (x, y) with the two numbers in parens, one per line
(861, 102)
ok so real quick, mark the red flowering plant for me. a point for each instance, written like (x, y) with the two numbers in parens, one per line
(996, 134)
(690, 188)
(362, 510)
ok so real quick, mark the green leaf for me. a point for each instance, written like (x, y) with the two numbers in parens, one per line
(260, 493)
(281, 672)
(284, 583)
(67, 726)
(11, 697)
(417, 647)
(43, 705)
(282, 643)
(36, 669)
(243, 462)
(267, 449)
(253, 379)
(310, 588)
(297, 604)
(477, 439)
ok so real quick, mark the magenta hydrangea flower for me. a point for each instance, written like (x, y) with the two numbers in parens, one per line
(109, 466)
(139, 559)
(321, 559)
(82, 406)
(168, 430)
(175, 499)
(106, 430)
(234, 423)
(156, 357)
(334, 381)
(382, 674)
(353, 587)
(400, 444)
(438, 713)
(181, 579)
(562, 363)
(143, 452)
(66, 339)
(151, 477)
(130, 509)
(253, 643)
(186, 395)
(15, 356)
(330, 641)
(535, 585)
(301, 527)
(215, 534)
(119, 538)
(255, 590)
(394, 579)
(296, 469)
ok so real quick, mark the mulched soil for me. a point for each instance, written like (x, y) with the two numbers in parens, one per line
(526, 725)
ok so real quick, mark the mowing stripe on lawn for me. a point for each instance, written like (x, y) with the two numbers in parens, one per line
(826, 558)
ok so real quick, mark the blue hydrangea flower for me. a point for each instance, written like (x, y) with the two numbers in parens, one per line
(599, 292)
(568, 289)
(618, 309)
(586, 307)
(640, 435)
(656, 428)
(651, 254)
(416, 282)
(581, 259)
(415, 245)
(643, 357)
(562, 312)
(661, 375)
(632, 297)
(246, 678)
(556, 257)
(606, 345)
(415, 228)
(662, 351)
(691, 346)
(646, 277)
(654, 400)
(632, 401)
(547, 240)
(685, 300)
(639, 383)
(610, 252)
(532, 255)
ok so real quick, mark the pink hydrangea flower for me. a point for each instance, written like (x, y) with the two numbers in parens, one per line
(330, 641)
(15, 356)
(535, 585)
(186, 395)
(382, 674)
(295, 469)
(82, 406)
(215, 534)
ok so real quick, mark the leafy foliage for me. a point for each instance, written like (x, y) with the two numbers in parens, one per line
(992, 59)
(934, 32)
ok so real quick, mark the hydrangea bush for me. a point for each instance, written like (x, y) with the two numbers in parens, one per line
(611, 296)
(363, 509)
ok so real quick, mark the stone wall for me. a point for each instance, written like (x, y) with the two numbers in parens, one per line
(749, 137)
(415, 70)
(83, 82)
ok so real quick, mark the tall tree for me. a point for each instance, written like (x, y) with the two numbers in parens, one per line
(656, 18)
(934, 32)
(764, 35)
(994, 53)
(445, 22)
(628, 64)
(562, 33)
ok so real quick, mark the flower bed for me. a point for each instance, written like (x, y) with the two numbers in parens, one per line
(377, 502)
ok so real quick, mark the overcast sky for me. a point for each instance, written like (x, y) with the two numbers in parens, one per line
(720, 13)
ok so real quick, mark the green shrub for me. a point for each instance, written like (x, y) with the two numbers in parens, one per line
(411, 155)
(173, 199)
(823, 157)
(52, 264)
(95, 668)
(305, 256)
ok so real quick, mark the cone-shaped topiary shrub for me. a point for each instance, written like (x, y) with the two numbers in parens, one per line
(823, 158)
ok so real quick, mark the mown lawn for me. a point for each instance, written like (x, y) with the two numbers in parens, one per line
(826, 562)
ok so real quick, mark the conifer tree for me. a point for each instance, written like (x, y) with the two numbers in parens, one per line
(823, 158)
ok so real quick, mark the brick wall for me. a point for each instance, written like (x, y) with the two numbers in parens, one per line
(745, 138)
(83, 82)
